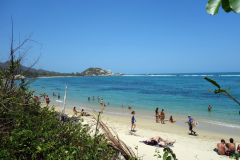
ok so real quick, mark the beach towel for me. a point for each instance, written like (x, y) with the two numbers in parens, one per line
(169, 145)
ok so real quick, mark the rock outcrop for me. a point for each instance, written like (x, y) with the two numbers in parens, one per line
(98, 72)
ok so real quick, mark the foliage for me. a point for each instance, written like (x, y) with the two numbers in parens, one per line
(235, 156)
(219, 90)
(227, 5)
(29, 131)
(157, 154)
(168, 154)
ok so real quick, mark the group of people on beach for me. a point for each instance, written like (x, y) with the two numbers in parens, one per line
(82, 113)
(48, 99)
(227, 148)
(161, 117)
(101, 102)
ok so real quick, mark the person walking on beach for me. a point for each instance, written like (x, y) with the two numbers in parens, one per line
(157, 117)
(58, 95)
(190, 124)
(47, 100)
(162, 116)
(133, 120)
(209, 108)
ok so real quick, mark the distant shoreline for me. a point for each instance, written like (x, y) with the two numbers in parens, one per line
(79, 76)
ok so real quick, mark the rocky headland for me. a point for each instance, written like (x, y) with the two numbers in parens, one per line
(98, 72)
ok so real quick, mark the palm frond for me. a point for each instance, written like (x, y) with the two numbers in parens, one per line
(213, 82)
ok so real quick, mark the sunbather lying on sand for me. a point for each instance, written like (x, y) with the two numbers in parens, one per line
(158, 140)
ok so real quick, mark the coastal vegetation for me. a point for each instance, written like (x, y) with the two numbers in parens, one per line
(31, 131)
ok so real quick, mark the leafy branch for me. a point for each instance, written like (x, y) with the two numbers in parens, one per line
(219, 90)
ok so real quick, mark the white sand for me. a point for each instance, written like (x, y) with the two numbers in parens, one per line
(187, 147)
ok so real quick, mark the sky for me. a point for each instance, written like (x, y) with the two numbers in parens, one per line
(127, 36)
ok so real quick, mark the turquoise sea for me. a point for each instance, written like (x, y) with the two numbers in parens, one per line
(177, 95)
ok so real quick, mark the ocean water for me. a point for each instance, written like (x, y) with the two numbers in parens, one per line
(177, 95)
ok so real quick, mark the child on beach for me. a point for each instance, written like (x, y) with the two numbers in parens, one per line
(171, 120)
(133, 120)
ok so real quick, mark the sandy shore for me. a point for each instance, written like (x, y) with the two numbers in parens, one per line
(186, 146)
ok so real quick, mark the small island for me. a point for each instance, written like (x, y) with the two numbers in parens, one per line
(98, 72)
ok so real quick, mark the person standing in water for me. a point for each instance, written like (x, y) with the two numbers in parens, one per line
(133, 120)
(93, 98)
(157, 116)
(58, 95)
(98, 98)
(209, 108)
(101, 102)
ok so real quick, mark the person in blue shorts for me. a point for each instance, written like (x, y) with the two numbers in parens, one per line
(190, 124)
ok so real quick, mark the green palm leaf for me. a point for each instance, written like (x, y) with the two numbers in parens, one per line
(235, 5)
(213, 82)
(213, 6)
(226, 6)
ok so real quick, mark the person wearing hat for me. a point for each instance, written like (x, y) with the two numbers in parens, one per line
(190, 124)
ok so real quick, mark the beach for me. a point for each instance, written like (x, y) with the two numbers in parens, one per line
(177, 95)
(186, 146)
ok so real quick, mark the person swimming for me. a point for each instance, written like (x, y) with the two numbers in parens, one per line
(209, 108)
